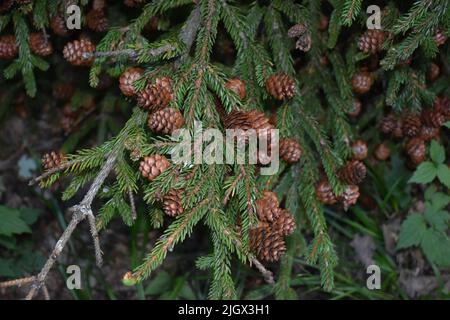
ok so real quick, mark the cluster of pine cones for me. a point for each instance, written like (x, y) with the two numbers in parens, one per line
(417, 128)
(267, 239)
(351, 174)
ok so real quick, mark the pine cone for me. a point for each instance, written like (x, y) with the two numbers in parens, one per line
(74, 52)
(52, 160)
(8, 47)
(237, 86)
(416, 150)
(411, 125)
(5, 5)
(359, 149)
(165, 121)
(40, 45)
(350, 196)
(433, 117)
(280, 86)
(152, 166)
(267, 207)
(290, 150)
(429, 133)
(285, 223)
(156, 96)
(266, 244)
(304, 42)
(433, 72)
(96, 20)
(58, 25)
(127, 79)
(246, 120)
(323, 22)
(382, 152)
(443, 105)
(356, 108)
(353, 172)
(172, 204)
(440, 38)
(388, 124)
(63, 91)
(362, 82)
(324, 193)
(371, 41)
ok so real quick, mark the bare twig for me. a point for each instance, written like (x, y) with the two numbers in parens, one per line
(267, 274)
(133, 205)
(17, 282)
(132, 54)
(48, 173)
(46, 294)
(80, 212)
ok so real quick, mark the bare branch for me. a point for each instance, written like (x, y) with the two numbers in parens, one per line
(132, 204)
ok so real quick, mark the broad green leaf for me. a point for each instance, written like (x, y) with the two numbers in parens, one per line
(447, 124)
(443, 173)
(436, 247)
(439, 201)
(425, 173)
(430, 192)
(438, 219)
(29, 215)
(412, 231)
(437, 152)
(11, 222)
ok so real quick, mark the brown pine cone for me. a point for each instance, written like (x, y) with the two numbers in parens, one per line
(58, 25)
(382, 152)
(353, 172)
(52, 160)
(246, 120)
(96, 20)
(388, 124)
(356, 108)
(323, 22)
(75, 52)
(267, 207)
(359, 149)
(152, 166)
(362, 81)
(324, 193)
(156, 96)
(280, 86)
(127, 79)
(416, 150)
(290, 150)
(350, 196)
(237, 86)
(40, 45)
(63, 91)
(5, 5)
(440, 38)
(433, 117)
(433, 72)
(430, 133)
(285, 223)
(443, 105)
(172, 204)
(267, 244)
(411, 125)
(371, 41)
(8, 47)
(165, 121)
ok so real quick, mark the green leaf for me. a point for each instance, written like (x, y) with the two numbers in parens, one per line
(436, 247)
(29, 215)
(438, 219)
(412, 231)
(447, 124)
(425, 173)
(160, 284)
(437, 152)
(11, 222)
(439, 201)
(443, 173)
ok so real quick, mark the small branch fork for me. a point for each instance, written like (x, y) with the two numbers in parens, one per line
(79, 213)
